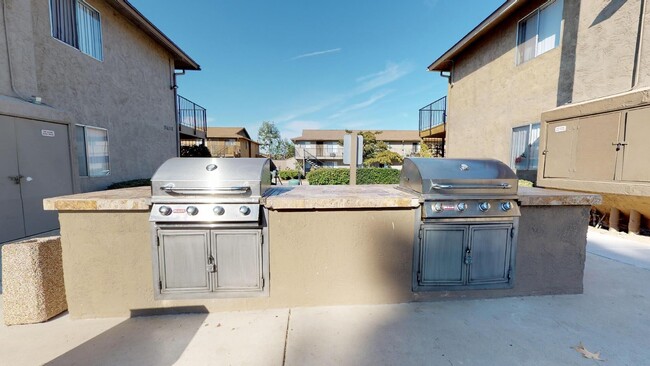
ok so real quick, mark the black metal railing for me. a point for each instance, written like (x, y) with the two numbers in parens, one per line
(191, 114)
(434, 114)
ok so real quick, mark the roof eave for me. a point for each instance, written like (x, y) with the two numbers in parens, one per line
(182, 61)
(445, 62)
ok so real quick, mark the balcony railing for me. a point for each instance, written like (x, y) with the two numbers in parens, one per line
(191, 114)
(434, 114)
(321, 152)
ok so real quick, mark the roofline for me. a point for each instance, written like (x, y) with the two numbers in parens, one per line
(445, 62)
(182, 61)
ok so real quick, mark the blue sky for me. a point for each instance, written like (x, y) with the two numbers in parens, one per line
(329, 64)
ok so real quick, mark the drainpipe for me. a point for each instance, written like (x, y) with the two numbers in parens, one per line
(11, 76)
(174, 87)
(639, 41)
(450, 74)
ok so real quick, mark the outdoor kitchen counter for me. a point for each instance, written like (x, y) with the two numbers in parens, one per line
(307, 197)
(328, 245)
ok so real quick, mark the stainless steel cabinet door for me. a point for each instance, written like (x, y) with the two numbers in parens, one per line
(442, 253)
(184, 260)
(490, 247)
(238, 255)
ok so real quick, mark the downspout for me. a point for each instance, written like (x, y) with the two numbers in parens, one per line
(11, 77)
(174, 87)
(449, 76)
(639, 44)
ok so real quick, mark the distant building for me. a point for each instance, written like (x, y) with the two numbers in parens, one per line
(231, 142)
(557, 89)
(322, 146)
(87, 98)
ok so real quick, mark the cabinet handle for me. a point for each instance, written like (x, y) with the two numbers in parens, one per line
(468, 257)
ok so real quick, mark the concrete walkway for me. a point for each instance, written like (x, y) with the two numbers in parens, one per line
(612, 316)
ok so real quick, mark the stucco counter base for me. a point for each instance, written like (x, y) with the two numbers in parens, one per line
(328, 246)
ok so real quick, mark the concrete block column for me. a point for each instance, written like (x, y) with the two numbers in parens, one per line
(634, 225)
(614, 217)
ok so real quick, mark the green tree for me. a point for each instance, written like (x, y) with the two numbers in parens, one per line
(376, 152)
(269, 138)
(425, 151)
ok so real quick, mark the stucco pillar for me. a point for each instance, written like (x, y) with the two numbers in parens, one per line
(634, 225)
(614, 215)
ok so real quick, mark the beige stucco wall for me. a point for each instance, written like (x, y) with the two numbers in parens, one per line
(317, 257)
(128, 92)
(365, 258)
(604, 54)
(490, 94)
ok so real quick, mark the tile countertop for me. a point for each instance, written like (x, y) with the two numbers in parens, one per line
(306, 197)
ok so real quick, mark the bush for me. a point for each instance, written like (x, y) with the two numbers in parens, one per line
(377, 176)
(196, 151)
(329, 176)
(340, 176)
(525, 183)
(289, 174)
(130, 183)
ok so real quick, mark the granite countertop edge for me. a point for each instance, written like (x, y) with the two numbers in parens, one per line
(307, 198)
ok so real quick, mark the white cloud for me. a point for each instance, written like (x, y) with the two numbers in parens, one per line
(317, 53)
(389, 74)
(365, 104)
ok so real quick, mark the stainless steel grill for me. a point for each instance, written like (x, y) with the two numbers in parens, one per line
(209, 190)
(467, 226)
(209, 230)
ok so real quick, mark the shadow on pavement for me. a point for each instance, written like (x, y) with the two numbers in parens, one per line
(153, 340)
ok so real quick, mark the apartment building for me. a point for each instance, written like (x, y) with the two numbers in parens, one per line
(231, 142)
(323, 146)
(87, 98)
(559, 90)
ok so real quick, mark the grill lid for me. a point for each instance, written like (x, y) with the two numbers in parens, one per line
(211, 180)
(432, 177)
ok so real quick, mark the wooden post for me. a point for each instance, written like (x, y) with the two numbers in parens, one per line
(353, 158)
(614, 215)
(634, 226)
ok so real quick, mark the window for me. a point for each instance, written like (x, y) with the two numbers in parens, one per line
(76, 23)
(539, 32)
(92, 151)
(525, 147)
(230, 142)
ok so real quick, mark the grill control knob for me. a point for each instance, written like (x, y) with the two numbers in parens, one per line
(218, 210)
(165, 210)
(461, 207)
(192, 211)
(484, 206)
(437, 207)
(506, 206)
(245, 210)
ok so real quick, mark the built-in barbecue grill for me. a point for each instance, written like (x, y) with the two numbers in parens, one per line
(467, 227)
(208, 227)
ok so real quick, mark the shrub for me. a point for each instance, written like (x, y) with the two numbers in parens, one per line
(525, 183)
(338, 176)
(377, 176)
(290, 174)
(196, 151)
(329, 176)
(130, 183)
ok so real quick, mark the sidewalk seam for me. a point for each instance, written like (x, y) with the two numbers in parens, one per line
(286, 338)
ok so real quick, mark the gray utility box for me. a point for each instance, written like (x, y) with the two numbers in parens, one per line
(454, 256)
(205, 262)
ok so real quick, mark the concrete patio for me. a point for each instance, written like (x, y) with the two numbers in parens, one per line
(612, 316)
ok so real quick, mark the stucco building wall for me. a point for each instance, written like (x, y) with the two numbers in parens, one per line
(490, 94)
(604, 54)
(128, 92)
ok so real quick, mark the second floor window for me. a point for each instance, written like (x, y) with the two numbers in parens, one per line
(539, 32)
(76, 23)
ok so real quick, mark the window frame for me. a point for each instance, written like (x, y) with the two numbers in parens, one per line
(101, 29)
(528, 148)
(528, 16)
(108, 154)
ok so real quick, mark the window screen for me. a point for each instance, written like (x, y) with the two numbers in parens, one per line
(92, 151)
(77, 24)
(539, 32)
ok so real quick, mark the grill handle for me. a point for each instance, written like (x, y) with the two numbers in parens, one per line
(470, 186)
(205, 191)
